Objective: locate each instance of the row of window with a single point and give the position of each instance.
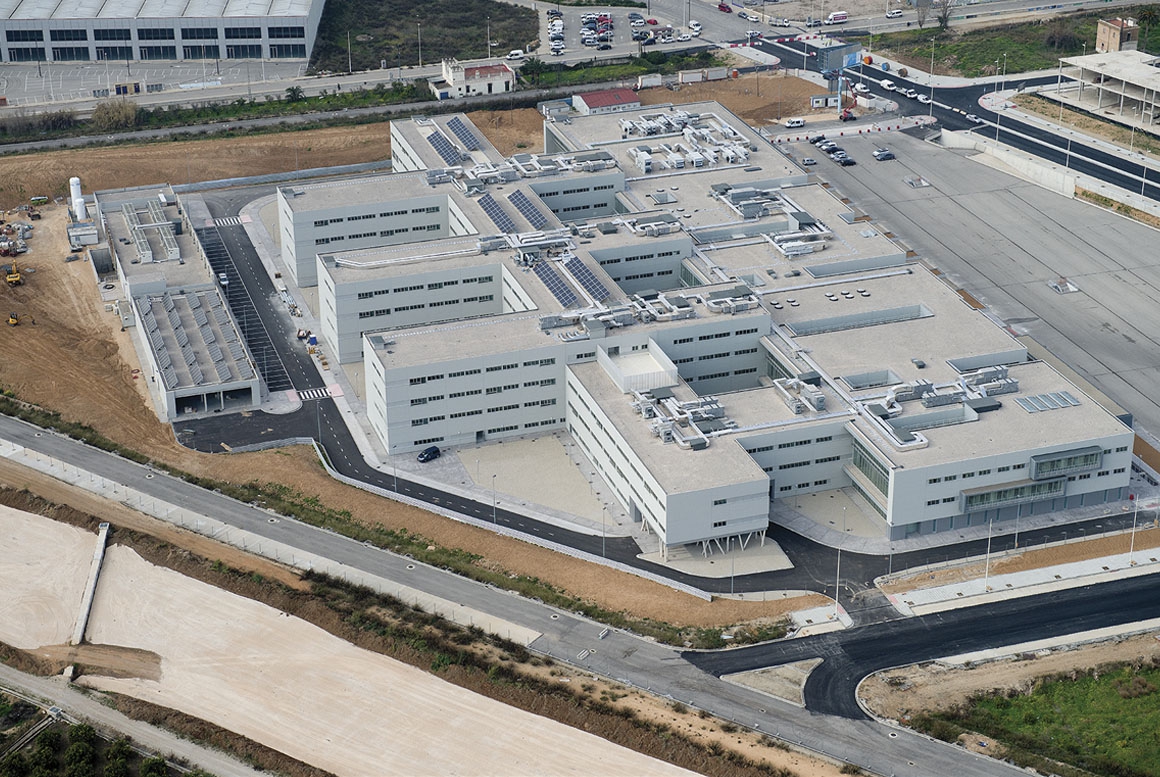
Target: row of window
(147, 53)
(980, 473)
(794, 444)
(153, 33)
(815, 484)
(429, 378)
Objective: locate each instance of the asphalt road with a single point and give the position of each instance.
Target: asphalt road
(567, 636)
(855, 653)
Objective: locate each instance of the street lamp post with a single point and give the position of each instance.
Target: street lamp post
(603, 530)
(1132, 545)
(987, 566)
(931, 77)
(419, 28)
(489, 37)
(493, 518)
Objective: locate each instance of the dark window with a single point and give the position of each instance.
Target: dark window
(287, 51)
(70, 53)
(155, 33)
(199, 33)
(158, 52)
(114, 52)
(26, 55)
(114, 34)
(200, 52)
(238, 33)
(286, 32)
(251, 51)
(24, 35)
(68, 35)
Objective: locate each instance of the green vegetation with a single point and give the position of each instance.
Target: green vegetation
(548, 74)
(1103, 722)
(1036, 45)
(389, 31)
(77, 751)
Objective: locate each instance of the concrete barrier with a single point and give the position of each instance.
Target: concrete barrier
(91, 587)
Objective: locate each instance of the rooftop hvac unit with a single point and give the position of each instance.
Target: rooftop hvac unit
(814, 396)
(939, 400)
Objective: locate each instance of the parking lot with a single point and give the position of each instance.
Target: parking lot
(1005, 240)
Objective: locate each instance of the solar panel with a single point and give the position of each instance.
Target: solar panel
(555, 284)
(465, 135)
(587, 279)
(528, 209)
(494, 212)
(444, 148)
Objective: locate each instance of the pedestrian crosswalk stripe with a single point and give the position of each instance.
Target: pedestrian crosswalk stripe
(314, 393)
(228, 221)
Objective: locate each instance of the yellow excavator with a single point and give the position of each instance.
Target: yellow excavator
(13, 319)
(13, 276)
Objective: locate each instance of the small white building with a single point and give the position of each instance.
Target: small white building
(460, 81)
(607, 101)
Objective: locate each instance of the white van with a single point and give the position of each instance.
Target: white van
(838, 17)
(795, 123)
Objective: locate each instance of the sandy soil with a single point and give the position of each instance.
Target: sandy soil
(899, 693)
(282, 681)
(1146, 537)
(184, 161)
(44, 566)
(759, 99)
(786, 681)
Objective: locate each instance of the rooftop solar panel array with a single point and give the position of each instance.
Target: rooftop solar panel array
(465, 135)
(555, 284)
(587, 279)
(444, 148)
(494, 212)
(1054, 400)
(528, 209)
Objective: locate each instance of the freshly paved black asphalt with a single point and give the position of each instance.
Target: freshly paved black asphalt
(853, 654)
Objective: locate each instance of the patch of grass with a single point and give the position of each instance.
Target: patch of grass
(550, 74)
(390, 29)
(1034, 45)
(1104, 721)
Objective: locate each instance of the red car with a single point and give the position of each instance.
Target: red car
(724, 7)
(651, 21)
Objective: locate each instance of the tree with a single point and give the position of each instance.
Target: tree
(154, 767)
(295, 94)
(115, 115)
(533, 69)
(82, 732)
(943, 14)
(1147, 18)
(921, 11)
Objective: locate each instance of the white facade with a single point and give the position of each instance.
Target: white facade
(166, 30)
(713, 332)
(460, 81)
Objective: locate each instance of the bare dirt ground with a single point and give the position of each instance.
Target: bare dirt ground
(44, 566)
(900, 693)
(1147, 537)
(75, 360)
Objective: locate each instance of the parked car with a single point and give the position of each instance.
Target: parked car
(861, 89)
(911, 93)
(887, 84)
(223, 279)
(809, 162)
(695, 26)
(973, 119)
(554, 14)
(883, 154)
(639, 35)
(924, 99)
(894, 13)
(636, 23)
(429, 454)
(684, 37)
(516, 54)
(651, 21)
(846, 162)
(779, 22)
(724, 8)
(635, 15)
(604, 47)
(747, 16)
(753, 33)
(649, 42)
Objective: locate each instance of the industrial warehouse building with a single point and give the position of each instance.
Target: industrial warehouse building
(120, 30)
(712, 327)
(193, 358)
